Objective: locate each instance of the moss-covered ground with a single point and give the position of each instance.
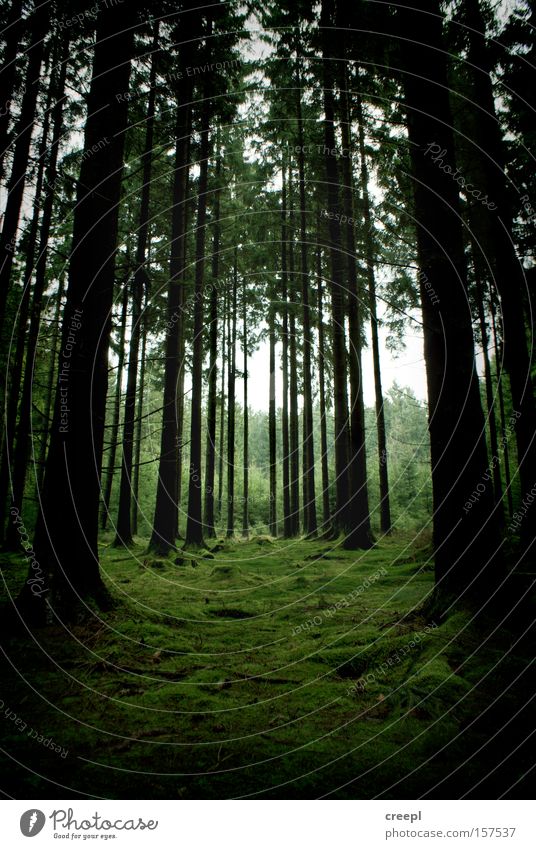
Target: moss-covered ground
(271, 670)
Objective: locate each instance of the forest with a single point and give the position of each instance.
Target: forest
(268, 455)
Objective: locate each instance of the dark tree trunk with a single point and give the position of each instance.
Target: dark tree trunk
(287, 518)
(500, 393)
(358, 531)
(210, 453)
(272, 521)
(194, 526)
(12, 35)
(245, 493)
(11, 469)
(231, 378)
(326, 509)
(465, 538)
(116, 410)
(222, 402)
(47, 407)
(67, 527)
(493, 229)
(165, 523)
(23, 135)
(20, 460)
(140, 282)
(385, 506)
(342, 430)
(139, 420)
(490, 400)
(309, 494)
(294, 454)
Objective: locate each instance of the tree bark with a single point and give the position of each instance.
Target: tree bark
(19, 168)
(140, 283)
(66, 536)
(287, 516)
(294, 456)
(231, 378)
(326, 509)
(210, 453)
(116, 411)
(385, 506)
(309, 494)
(465, 538)
(194, 525)
(165, 524)
(358, 530)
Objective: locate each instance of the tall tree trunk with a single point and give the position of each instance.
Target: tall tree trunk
(47, 406)
(231, 378)
(359, 534)
(116, 410)
(140, 282)
(139, 420)
(67, 528)
(165, 522)
(490, 400)
(309, 494)
(493, 228)
(294, 456)
(194, 526)
(272, 521)
(11, 471)
(210, 453)
(245, 493)
(222, 401)
(326, 509)
(287, 517)
(385, 506)
(19, 168)
(12, 35)
(341, 520)
(465, 538)
(500, 392)
(20, 460)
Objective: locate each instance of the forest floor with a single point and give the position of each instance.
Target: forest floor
(274, 670)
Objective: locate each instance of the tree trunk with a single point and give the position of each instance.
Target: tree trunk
(12, 35)
(194, 526)
(11, 470)
(139, 414)
(140, 282)
(114, 429)
(294, 458)
(326, 509)
(165, 522)
(19, 168)
(490, 400)
(272, 521)
(493, 228)
(222, 402)
(287, 517)
(465, 538)
(20, 460)
(342, 431)
(47, 408)
(500, 392)
(358, 531)
(309, 494)
(245, 493)
(231, 404)
(385, 506)
(210, 453)
(66, 537)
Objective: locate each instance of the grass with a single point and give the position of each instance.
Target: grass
(273, 670)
